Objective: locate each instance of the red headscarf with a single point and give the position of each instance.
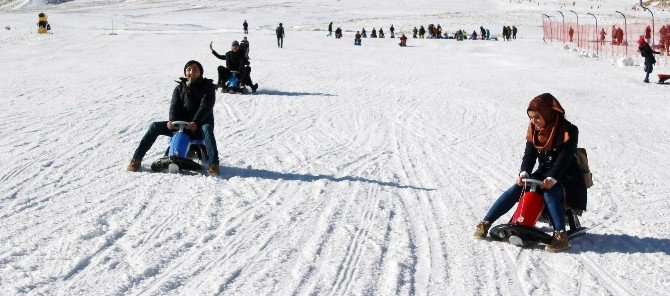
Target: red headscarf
(554, 133)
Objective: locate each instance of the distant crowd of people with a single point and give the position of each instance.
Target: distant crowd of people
(433, 32)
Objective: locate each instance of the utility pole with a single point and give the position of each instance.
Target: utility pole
(551, 28)
(562, 27)
(596, 36)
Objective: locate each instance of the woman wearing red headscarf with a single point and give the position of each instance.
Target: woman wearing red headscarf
(551, 141)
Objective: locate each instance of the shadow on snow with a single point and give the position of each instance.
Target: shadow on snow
(271, 92)
(620, 243)
(272, 175)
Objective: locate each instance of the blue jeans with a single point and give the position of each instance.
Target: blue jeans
(553, 199)
(159, 128)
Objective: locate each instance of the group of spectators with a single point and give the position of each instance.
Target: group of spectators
(509, 33)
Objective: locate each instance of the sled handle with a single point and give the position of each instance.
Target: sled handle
(180, 125)
(532, 181)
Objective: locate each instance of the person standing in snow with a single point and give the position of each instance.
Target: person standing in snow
(551, 140)
(619, 36)
(244, 46)
(648, 54)
(364, 34)
(602, 36)
(381, 33)
(415, 32)
(245, 26)
(514, 30)
(330, 29)
(374, 33)
(192, 101)
(422, 32)
(571, 32)
(392, 31)
(280, 36)
(483, 32)
(236, 60)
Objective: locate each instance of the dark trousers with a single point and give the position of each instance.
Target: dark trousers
(159, 128)
(280, 42)
(244, 76)
(648, 68)
(553, 199)
(246, 31)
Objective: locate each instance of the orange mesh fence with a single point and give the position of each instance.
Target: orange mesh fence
(611, 39)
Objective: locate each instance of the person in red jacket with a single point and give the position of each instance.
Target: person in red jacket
(619, 36)
(602, 36)
(571, 32)
(403, 40)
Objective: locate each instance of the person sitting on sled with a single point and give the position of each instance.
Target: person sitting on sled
(357, 38)
(551, 140)
(403, 40)
(236, 60)
(192, 101)
(42, 24)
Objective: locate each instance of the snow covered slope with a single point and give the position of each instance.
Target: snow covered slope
(354, 170)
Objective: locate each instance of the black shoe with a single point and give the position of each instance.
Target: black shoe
(254, 87)
(646, 81)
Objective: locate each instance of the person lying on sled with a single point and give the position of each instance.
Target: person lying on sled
(192, 101)
(551, 140)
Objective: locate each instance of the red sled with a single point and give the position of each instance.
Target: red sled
(521, 230)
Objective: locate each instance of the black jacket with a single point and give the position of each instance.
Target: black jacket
(245, 25)
(648, 54)
(561, 164)
(235, 61)
(280, 32)
(193, 102)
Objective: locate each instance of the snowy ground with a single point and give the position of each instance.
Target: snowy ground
(354, 170)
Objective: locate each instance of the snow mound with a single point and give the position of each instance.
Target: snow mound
(625, 62)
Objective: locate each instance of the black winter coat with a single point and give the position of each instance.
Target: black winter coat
(561, 164)
(235, 61)
(280, 32)
(193, 103)
(648, 54)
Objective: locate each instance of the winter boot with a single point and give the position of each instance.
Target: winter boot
(254, 87)
(134, 165)
(559, 243)
(213, 170)
(646, 80)
(482, 229)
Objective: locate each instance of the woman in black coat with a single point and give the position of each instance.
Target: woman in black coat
(552, 143)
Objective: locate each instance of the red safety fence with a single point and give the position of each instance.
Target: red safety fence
(599, 40)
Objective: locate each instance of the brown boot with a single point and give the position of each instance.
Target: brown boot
(482, 229)
(213, 170)
(559, 243)
(134, 165)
